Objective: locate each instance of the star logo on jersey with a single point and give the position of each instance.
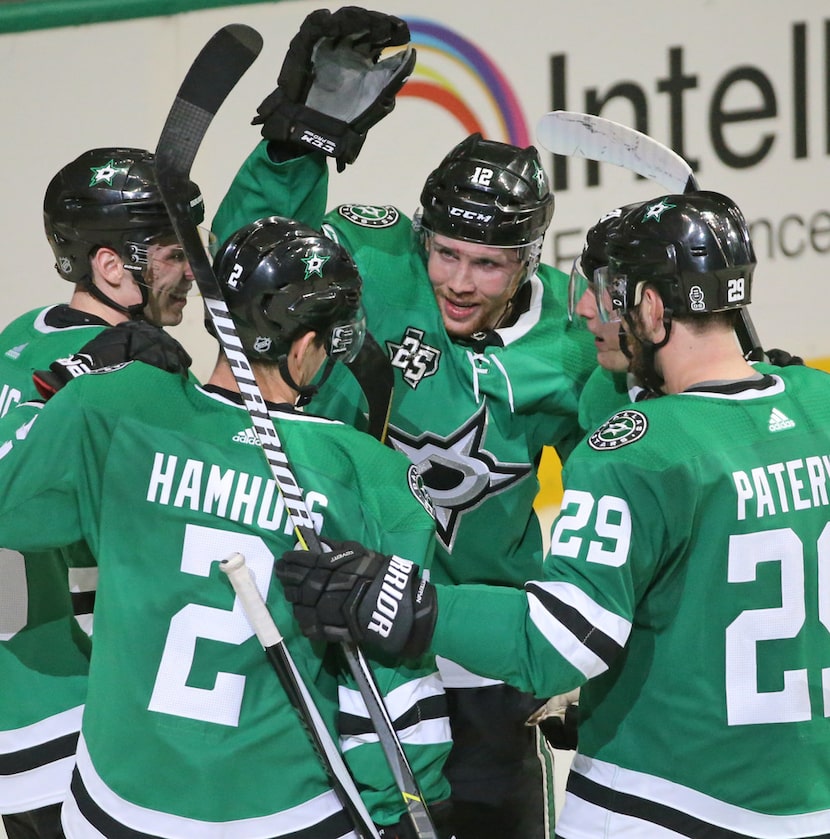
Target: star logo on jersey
(415, 359)
(655, 211)
(368, 215)
(103, 174)
(458, 473)
(314, 265)
(624, 428)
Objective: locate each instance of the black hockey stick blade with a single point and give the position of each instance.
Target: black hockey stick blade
(595, 138)
(373, 372)
(220, 64)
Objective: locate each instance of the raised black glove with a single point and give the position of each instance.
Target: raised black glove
(332, 88)
(781, 358)
(132, 340)
(352, 593)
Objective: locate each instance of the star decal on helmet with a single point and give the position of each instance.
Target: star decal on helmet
(314, 265)
(655, 211)
(540, 178)
(458, 473)
(103, 174)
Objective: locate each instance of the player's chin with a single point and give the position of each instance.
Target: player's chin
(460, 323)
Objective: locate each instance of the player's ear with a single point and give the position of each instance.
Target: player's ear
(108, 266)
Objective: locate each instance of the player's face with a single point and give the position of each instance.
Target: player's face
(169, 279)
(472, 283)
(606, 334)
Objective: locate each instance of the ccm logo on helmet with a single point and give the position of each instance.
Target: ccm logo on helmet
(469, 215)
(391, 591)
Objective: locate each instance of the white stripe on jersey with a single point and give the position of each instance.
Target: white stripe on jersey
(581, 820)
(156, 823)
(566, 643)
(42, 731)
(399, 702)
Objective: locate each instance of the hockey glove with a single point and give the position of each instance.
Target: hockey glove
(132, 340)
(332, 88)
(781, 358)
(352, 593)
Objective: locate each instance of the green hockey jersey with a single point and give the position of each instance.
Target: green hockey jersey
(473, 417)
(44, 655)
(186, 730)
(687, 587)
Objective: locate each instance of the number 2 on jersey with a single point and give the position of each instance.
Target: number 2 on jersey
(220, 704)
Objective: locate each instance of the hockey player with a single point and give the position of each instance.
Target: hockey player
(488, 367)
(186, 731)
(112, 238)
(610, 386)
(687, 581)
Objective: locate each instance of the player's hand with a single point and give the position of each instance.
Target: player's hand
(353, 593)
(332, 86)
(113, 347)
(781, 358)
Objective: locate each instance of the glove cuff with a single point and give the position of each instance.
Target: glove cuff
(423, 625)
(289, 122)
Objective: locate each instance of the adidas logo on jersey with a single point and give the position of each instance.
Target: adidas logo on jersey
(779, 421)
(14, 352)
(247, 436)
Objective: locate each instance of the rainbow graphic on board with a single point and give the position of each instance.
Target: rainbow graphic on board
(433, 40)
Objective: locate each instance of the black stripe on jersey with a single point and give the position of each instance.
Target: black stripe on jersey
(83, 602)
(602, 645)
(334, 826)
(660, 814)
(40, 755)
(428, 708)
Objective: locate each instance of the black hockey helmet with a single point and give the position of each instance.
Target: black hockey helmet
(281, 279)
(490, 193)
(693, 248)
(594, 258)
(107, 197)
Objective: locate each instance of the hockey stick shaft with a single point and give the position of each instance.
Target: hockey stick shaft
(213, 74)
(283, 665)
(592, 137)
(206, 85)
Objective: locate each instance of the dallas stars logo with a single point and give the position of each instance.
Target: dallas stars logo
(314, 265)
(457, 472)
(656, 211)
(623, 428)
(416, 359)
(104, 174)
(369, 215)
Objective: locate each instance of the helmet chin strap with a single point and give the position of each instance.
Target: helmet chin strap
(134, 312)
(305, 393)
(648, 375)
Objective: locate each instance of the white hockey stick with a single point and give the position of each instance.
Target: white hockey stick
(275, 649)
(595, 138)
